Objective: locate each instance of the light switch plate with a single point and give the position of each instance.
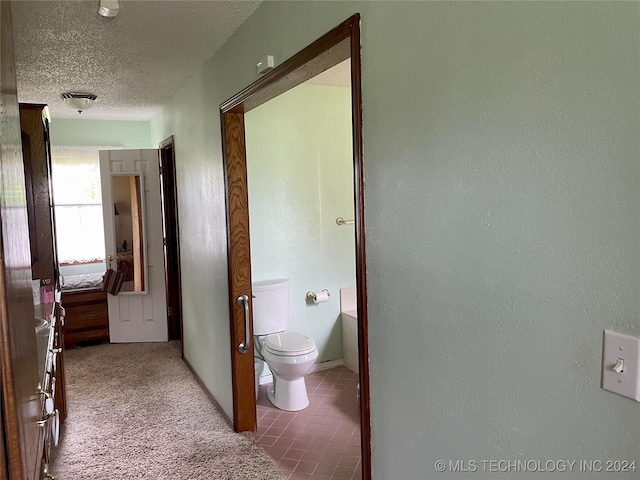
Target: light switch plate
(626, 348)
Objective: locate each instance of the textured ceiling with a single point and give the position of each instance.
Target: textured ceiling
(134, 62)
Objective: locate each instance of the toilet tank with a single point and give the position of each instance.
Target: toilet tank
(270, 306)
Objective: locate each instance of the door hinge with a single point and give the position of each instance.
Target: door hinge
(164, 242)
(169, 311)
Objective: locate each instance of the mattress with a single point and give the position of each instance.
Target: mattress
(82, 282)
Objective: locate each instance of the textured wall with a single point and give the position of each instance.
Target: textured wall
(300, 174)
(502, 190)
(104, 133)
(192, 118)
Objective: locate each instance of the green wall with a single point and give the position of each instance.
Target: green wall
(502, 189)
(102, 133)
(300, 177)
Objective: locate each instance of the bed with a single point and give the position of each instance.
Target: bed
(85, 281)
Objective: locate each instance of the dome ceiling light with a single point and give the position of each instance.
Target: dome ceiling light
(78, 101)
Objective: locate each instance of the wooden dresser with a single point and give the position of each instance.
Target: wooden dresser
(49, 340)
(87, 319)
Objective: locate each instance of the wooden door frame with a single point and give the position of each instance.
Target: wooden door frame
(171, 232)
(332, 48)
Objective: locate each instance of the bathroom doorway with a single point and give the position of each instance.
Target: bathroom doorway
(301, 210)
(338, 45)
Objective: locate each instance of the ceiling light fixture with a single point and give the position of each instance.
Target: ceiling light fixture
(108, 8)
(78, 101)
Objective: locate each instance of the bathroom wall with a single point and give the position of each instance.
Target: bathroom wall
(502, 194)
(300, 176)
(102, 133)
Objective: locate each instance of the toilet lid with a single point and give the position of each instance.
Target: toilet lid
(289, 343)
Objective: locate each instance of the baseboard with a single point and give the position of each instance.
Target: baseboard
(265, 379)
(318, 367)
(211, 396)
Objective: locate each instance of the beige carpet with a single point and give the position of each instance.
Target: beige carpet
(135, 411)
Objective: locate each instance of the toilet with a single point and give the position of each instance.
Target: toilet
(289, 355)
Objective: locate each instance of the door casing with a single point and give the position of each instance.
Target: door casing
(171, 234)
(332, 48)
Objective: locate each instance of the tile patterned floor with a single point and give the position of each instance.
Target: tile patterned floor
(323, 440)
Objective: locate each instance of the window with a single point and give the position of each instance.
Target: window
(78, 206)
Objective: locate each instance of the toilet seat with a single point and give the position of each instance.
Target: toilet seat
(289, 344)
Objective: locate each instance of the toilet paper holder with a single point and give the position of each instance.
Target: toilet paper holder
(314, 297)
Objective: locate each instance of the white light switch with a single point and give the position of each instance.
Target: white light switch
(621, 364)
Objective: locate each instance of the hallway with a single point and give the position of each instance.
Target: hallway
(135, 411)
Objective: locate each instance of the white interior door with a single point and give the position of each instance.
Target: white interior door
(136, 317)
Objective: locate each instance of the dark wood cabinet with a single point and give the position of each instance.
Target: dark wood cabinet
(61, 381)
(87, 319)
(36, 151)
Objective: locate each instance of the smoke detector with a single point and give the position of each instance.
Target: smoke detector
(108, 8)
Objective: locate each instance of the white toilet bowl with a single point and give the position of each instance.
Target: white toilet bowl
(290, 356)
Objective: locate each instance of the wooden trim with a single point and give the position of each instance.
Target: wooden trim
(137, 246)
(171, 225)
(33, 106)
(46, 122)
(309, 62)
(210, 395)
(31, 209)
(167, 142)
(4, 466)
(361, 257)
(10, 417)
(61, 380)
(332, 48)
